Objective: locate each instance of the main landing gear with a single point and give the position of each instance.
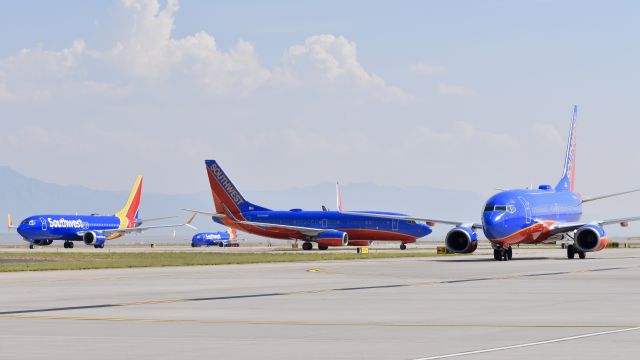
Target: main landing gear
(572, 251)
(68, 244)
(307, 246)
(321, 247)
(503, 254)
(403, 247)
(98, 246)
(31, 246)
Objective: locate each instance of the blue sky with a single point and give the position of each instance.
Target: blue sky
(459, 94)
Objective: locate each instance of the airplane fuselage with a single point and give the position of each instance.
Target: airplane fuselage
(358, 227)
(525, 216)
(64, 227)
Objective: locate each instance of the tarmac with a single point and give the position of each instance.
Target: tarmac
(540, 305)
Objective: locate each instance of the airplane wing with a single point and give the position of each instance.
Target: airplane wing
(208, 213)
(140, 229)
(561, 228)
(429, 221)
(609, 195)
(301, 229)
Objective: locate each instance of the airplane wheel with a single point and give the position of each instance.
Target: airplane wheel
(322, 247)
(510, 253)
(31, 246)
(98, 246)
(66, 245)
(582, 254)
(70, 245)
(504, 255)
(221, 244)
(307, 246)
(571, 252)
(403, 247)
(496, 255)
(193, 245)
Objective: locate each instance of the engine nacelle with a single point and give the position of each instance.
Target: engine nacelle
(461, 240)
(332, 238)
(359, 243)
(94, 238)
(42, 242)
(590, 238)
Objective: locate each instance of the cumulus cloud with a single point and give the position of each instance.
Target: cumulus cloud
(455, 90)
(332, 60)
(147, 55)
(427, 69)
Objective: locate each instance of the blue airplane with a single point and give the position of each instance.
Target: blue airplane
(92, 229)
(219, 238)
(533, 216)
(324, 228)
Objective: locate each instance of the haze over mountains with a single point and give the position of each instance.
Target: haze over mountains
(22, 196)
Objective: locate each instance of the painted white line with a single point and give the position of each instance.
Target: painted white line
(474, 352)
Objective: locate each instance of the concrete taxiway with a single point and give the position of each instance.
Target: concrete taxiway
(540, 305)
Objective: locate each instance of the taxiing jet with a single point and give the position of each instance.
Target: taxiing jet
(325, 228)
(532, 216)
(91, 229)
(219, 238)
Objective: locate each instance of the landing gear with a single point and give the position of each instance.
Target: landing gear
(98, 246)
(221, 244)
(403, 247)
(572, 251)
(321, 247)
(503, 254)
(31, 246)
(68, 245)
(307, 246)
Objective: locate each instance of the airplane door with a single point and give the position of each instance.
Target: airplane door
(527, 209)
(324, 223)
(43, 221)
(394, 225)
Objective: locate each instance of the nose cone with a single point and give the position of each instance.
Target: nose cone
(23, 230)
(425, 229)
(494, 224)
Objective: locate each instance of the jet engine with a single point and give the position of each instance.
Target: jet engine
(461, 240)
(332, 238)
(590, 238)
(359, 243)
(95, 238)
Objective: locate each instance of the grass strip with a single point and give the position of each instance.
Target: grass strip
(86, 260)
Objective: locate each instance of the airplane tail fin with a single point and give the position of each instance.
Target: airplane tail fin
(567, 182)
(129, 213)
(232, 234)
(226, 197)
(338, 197)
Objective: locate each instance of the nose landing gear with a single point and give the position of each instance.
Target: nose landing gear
(503, 254)
(68, 245)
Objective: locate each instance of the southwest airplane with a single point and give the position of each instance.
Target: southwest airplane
(532, 216)
(91, 229)
(325, 228)
(219, 238)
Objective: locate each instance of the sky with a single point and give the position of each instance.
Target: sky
(468, 95)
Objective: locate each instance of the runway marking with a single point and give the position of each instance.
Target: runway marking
(537, 343)
(306, 292)
(309, 323)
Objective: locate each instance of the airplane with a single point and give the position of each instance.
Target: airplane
(533, 216)
(92, 229)
(219, 238)
(324, 228)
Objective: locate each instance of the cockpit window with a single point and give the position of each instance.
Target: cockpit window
(501, 208)
(411, 222)
(29, 222)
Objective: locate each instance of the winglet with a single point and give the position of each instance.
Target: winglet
(567, 182)
(338, 197)
(9, 222)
